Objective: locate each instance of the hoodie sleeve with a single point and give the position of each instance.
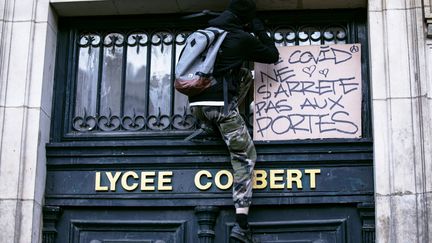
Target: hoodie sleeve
(261, 49)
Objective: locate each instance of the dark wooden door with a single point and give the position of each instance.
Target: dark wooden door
(118, 169)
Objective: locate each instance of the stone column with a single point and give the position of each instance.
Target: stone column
(401, 101)
(27, 51)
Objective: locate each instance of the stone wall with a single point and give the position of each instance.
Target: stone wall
(401, 101)
(27, 51)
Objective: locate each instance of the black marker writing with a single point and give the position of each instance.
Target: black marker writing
(311, 92)
(335, 55)
(293, 123)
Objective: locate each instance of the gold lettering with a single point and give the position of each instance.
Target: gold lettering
(130, 180)
(218, 179)
(313, 173)
(124, 180)
(113, 179)
(276, 176)
(261, 177)
(162, 180)
(296, 178)
(98, 186)
(145, 180)
(197, 180)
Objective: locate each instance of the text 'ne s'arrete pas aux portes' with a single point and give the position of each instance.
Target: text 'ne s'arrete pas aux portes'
(311, 92)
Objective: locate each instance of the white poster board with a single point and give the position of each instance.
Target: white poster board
(312, 92)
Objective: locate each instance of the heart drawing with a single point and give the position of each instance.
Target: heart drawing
(309, 70)
(324, 72)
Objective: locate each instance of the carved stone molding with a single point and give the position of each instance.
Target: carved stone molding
(206, 216)
(50, 218)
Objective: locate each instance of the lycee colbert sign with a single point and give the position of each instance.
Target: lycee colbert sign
(203, 180)
(197, 181)
(311, 92)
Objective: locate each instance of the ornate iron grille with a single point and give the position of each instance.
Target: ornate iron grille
(124, 79)
(123, 83)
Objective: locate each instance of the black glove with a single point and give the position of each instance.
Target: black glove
(257, 25)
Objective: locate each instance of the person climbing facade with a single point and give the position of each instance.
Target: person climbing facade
(238, 47)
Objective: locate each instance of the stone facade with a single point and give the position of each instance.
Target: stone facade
(27, 51)
(401, 82)
(401, 101)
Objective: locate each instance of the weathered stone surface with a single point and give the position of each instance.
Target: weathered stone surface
(8, 219)
(27, 53)
(401, 113)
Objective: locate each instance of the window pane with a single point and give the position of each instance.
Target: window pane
(160, 76)
(111, 92)
(136, 75)
(87, 75)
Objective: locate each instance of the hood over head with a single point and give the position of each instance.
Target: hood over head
(227, 21)
(244, 9)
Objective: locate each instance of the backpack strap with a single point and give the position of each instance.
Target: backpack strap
(207, 38)
(225, 95)
(216, 32)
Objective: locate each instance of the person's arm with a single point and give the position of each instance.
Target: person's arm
(261, 49)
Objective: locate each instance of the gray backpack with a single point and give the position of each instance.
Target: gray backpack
(193, 73)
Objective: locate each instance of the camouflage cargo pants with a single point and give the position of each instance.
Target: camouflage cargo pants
(236, 136)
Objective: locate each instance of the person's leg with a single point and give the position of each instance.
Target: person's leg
(243, 157)
(207, 127)
(245, 82)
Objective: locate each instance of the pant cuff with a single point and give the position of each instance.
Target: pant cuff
(244, 210)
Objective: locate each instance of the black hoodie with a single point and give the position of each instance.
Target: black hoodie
(238, 46)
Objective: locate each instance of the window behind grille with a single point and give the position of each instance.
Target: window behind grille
(119, 79)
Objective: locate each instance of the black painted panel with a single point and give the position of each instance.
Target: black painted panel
(346, 172)
(315, 224)
(331, 181)
(313, 231)
(337, 223)
(113, 224)
(116, 231)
